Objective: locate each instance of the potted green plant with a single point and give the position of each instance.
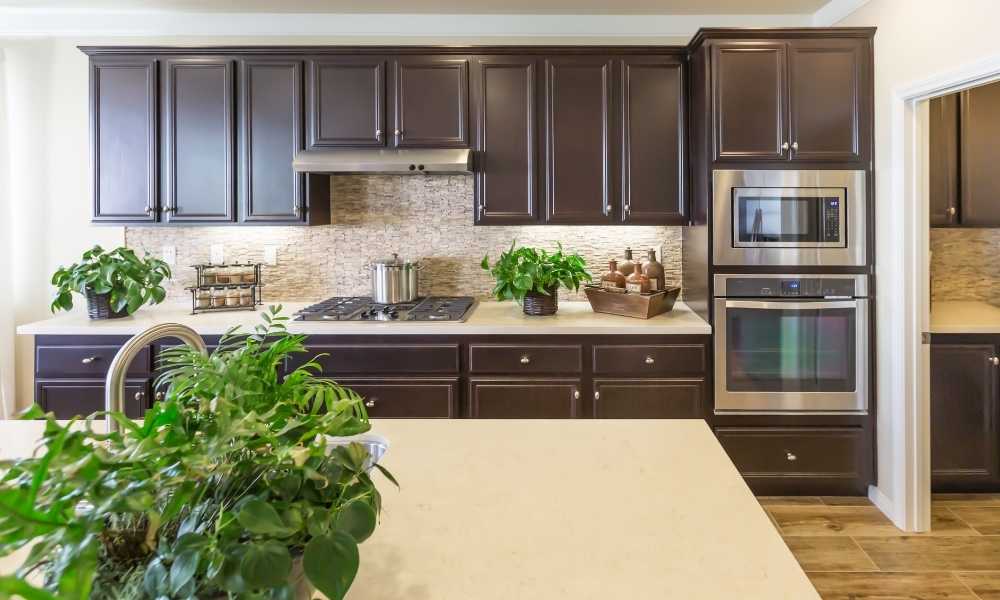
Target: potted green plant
(230, 487)
(116, 283)
(532, 277)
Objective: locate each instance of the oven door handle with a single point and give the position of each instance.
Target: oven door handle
(814, 305)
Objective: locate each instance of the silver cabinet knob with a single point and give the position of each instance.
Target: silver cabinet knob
(576, 394)
(951, 211)
(370, 403)
(650, 360)
(795, 146)
(525, 359)
(378, 133)
(995, 361)
(150, 210)
(790, 457)
(398, 132)
(139, 396)
(90, 359)
(597, 395)
(607, 209)
(158, 396)
(785, 146)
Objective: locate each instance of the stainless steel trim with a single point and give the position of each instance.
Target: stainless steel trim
(390, 161)
(791, 304)
(812, 193)
(855, 402)
(860, 281)
(855, 221)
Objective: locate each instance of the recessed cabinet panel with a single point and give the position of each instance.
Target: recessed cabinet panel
(943, 161)
(431, 102)
(577, 140)
(199, 140)
(270, 134)
(123, 124)
(407, 398)
(824, 86)
(506, 176)
(346, 102)
(524, 399)
(980, 130)
(648, 399)
(748, 80)
(653, 157)
(69, 398)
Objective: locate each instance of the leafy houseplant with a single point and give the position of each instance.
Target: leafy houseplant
(227, 489)
(115, 283)
(532, 277)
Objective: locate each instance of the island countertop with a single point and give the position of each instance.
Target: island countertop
(487, 318)
(570, 509)
(964, 316)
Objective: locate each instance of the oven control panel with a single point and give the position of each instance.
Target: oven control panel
(789, 287)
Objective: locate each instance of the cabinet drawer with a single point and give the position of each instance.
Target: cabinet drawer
(407, 398)
(808, 459)
(511, 359)
(680, 360)
(648, 399)
(369, 359)
(68, 398)
(84, 361)
(524, 398)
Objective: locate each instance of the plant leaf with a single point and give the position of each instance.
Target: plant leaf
(357, 518)
(331, 563)
(266, 564)
(260, 517)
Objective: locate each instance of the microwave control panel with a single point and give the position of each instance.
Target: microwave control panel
(790, 287)
(831, 220)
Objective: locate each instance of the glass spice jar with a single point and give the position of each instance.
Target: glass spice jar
(208, 276)
(246, 297)
(222, 276)
(218, 298)
(204, 299)
(232, 297)
(249, 275)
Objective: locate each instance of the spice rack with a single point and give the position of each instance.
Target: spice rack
(226, 287)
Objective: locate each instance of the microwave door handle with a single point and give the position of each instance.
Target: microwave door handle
(819, 305)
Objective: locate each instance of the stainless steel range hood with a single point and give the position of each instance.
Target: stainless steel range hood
(397, 162)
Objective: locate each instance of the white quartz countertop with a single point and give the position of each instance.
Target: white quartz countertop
(964, 317)
(488, 318)
(551, 510)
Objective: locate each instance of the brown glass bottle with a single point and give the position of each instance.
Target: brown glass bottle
(625, 267)
(654, 270)
(613, 279)
(637, 282)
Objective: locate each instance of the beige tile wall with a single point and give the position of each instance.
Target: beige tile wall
(965, 264)
(424, 218)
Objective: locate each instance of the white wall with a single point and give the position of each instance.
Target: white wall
(916, 39)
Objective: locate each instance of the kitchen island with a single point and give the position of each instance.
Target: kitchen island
(573, 510)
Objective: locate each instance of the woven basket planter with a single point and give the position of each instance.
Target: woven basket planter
(99, 307)
(540, 305)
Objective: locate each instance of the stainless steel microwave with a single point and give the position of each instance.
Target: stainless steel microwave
(790, 218)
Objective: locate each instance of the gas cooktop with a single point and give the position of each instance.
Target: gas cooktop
(359, 308)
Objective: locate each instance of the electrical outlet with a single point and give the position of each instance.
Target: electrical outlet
(270, 255)
(169, 255)
(217, 254)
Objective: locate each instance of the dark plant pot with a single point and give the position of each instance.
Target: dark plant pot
(540, 305)
(99, 306)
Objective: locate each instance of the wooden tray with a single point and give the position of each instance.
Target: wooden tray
(630, 304)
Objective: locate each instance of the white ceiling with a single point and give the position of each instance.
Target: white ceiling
(659, 7)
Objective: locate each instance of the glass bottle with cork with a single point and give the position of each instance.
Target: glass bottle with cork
(613, 280)
(654, 271)
(637, 282)
(626, 267)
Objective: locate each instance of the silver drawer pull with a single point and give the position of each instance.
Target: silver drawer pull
(790, 457)
(650, 360)
(597, 395)
(139, 396)
(525, 359)
(370, 403)
(90, 359)
(576, 394)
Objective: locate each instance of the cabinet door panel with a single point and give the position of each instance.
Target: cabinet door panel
(980, 130)
(652, 101)
(506, 181)
(199, 139)
(270, 135)
(577, 142)
(748, 85)
(346, 102)
(431, 102)
(69, 398)
(123, 123)
(407, 398)
(524, 399)
(648, 399)
(825, 89)
(943, 158)
(963, 417)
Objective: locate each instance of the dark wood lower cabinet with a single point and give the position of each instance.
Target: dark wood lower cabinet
(69, 398)
(524, 398)
(407, 398)
(648, 399)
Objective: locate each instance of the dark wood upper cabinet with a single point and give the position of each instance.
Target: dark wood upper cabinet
(505, 103)
(980, 130)
(964, 430)
(346, 102)
(943, 161)
(748, 88)
(577, 134)
(123, 138)
(199, 156)
(430, 103)
(270, 133)
(825, 83)
(653, 133)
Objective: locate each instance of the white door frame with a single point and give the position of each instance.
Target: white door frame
(903, 360)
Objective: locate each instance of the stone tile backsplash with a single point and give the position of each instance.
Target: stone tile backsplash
(964, 264)
(423, 218)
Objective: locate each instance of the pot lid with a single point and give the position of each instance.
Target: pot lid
(395, 261)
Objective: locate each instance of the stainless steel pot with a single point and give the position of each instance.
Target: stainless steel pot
(394, 280)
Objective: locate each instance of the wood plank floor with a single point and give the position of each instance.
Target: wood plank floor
(851, 551)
